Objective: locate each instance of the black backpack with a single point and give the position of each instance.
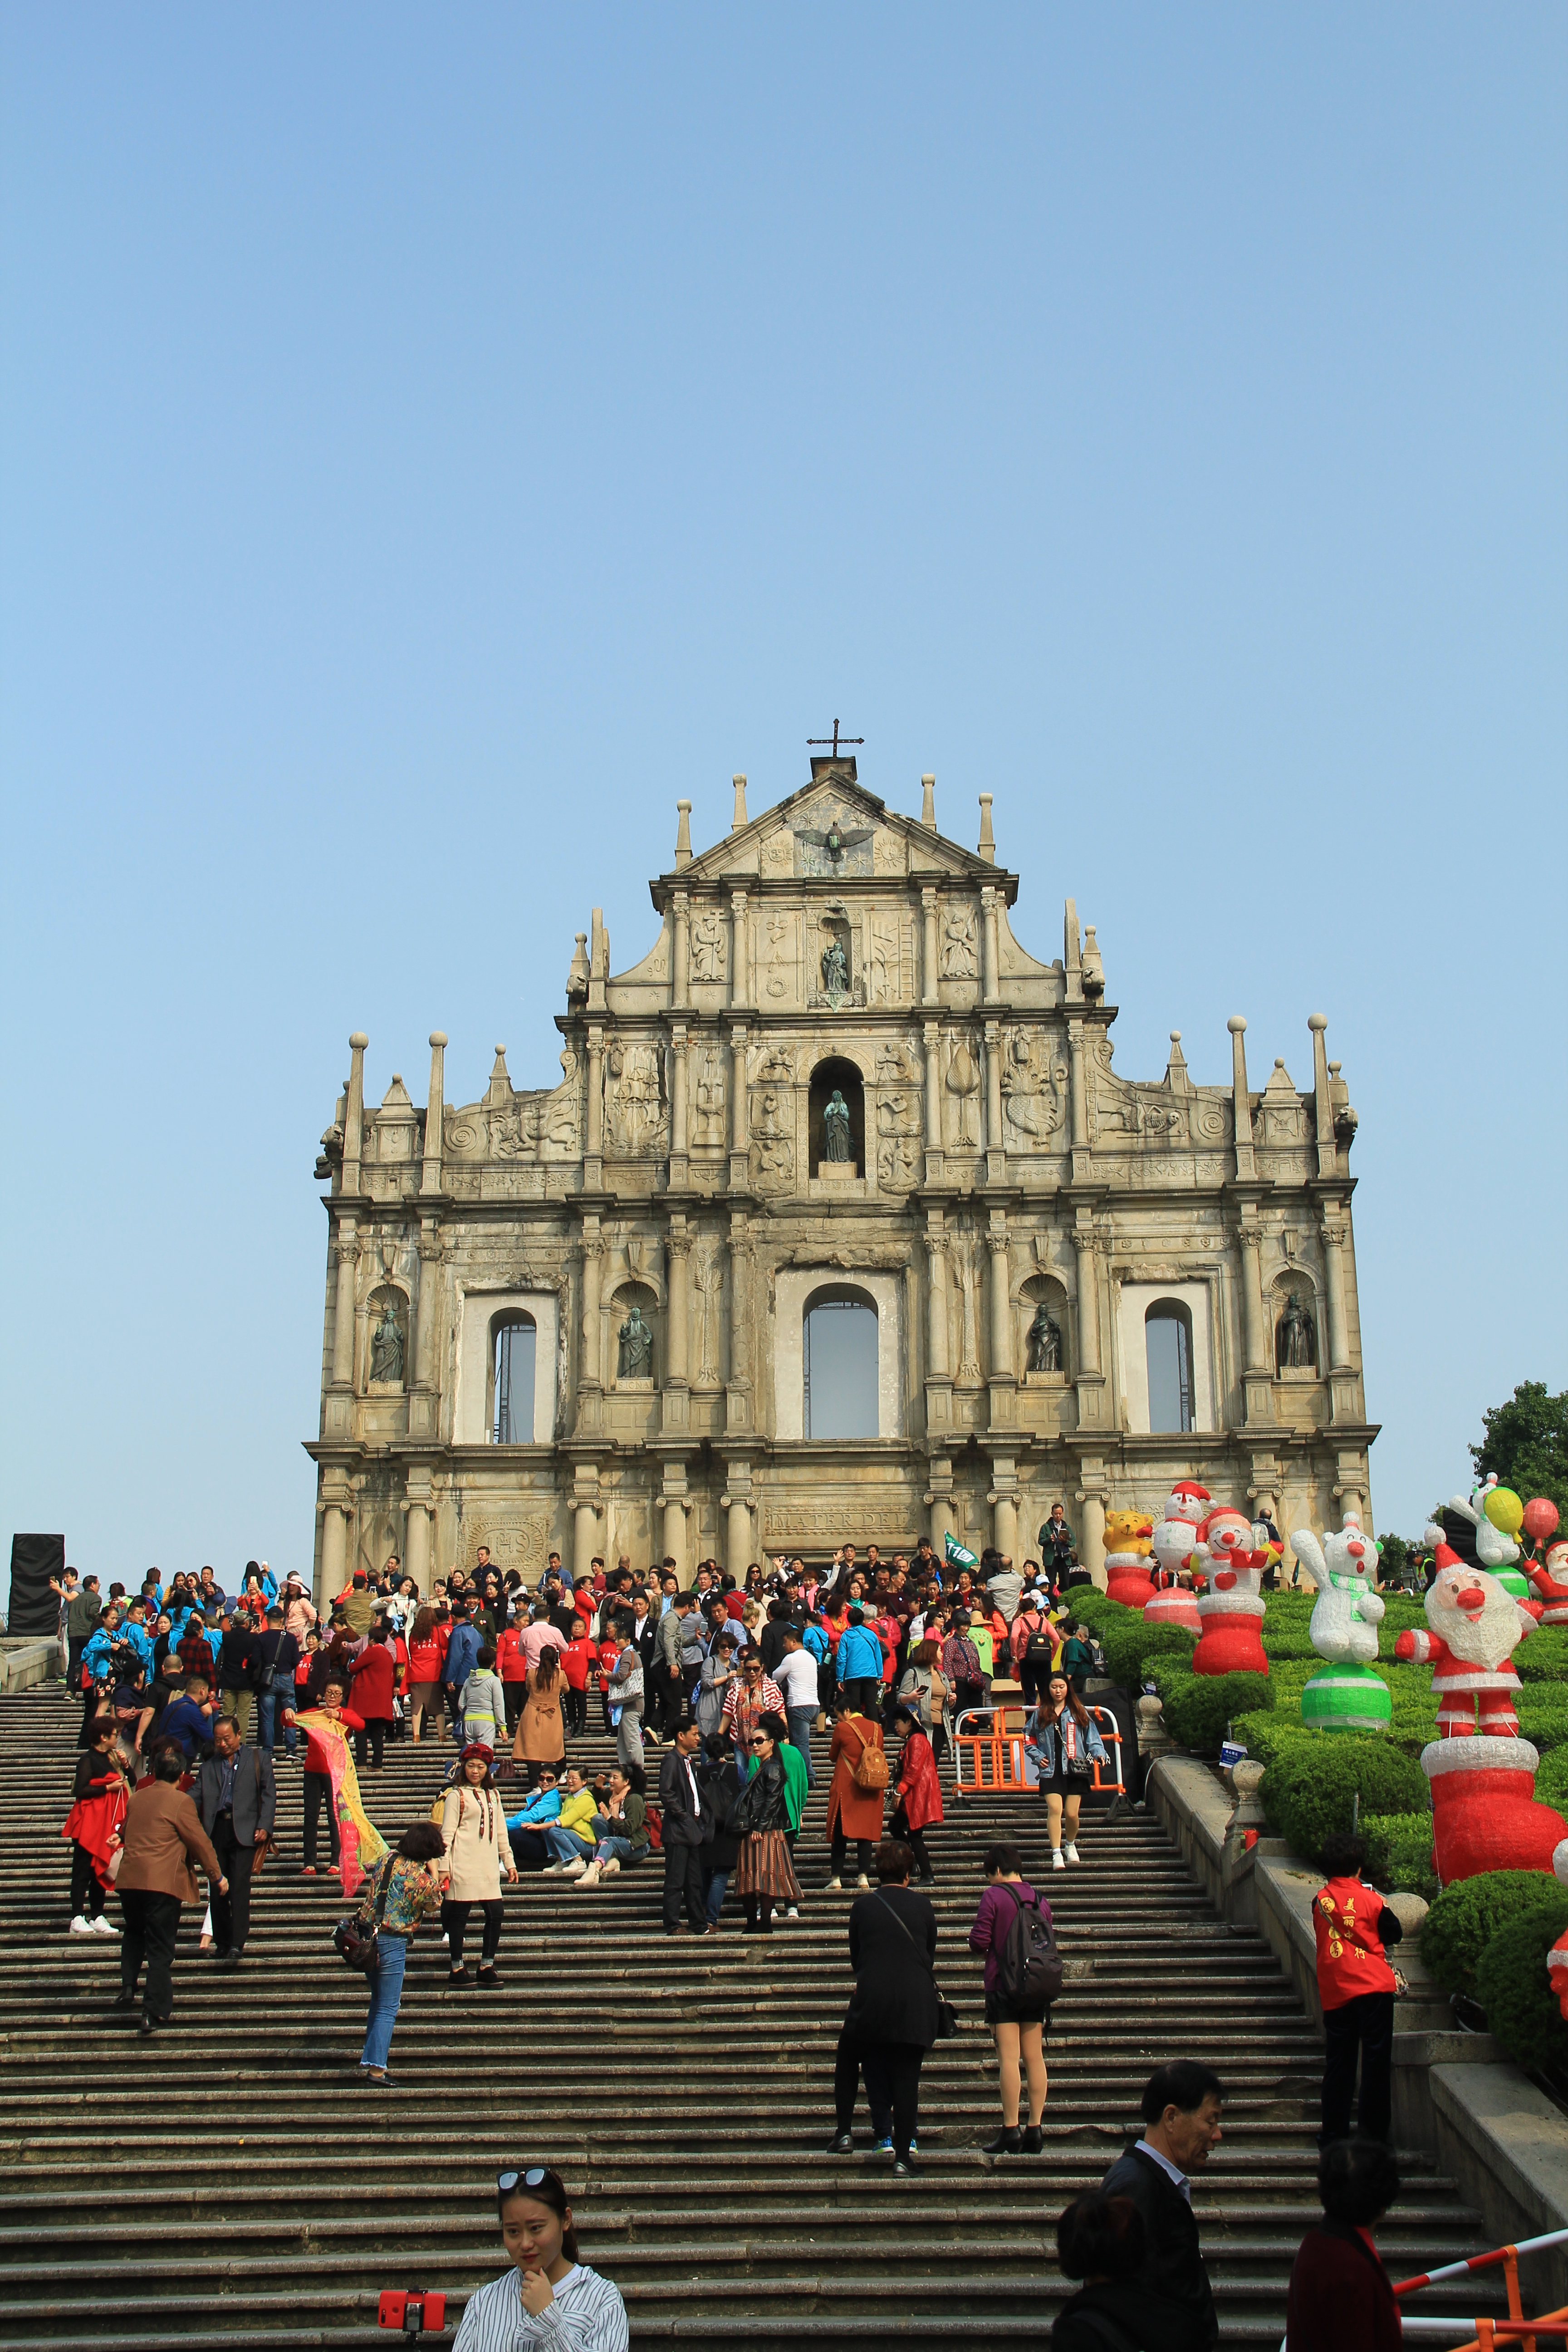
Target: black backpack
(1040, 1648)
(1029, 1967)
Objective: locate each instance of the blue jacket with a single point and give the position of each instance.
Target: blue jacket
(96, 1654)
(1045, 1752)
(816, 1639)
(140, 1641)
(859, 1655)
(462, 1653)
(183, 1720)
(545, 1807)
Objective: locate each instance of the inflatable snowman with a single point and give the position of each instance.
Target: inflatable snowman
(1479, 1530)
(1343, 1695)
(1230, 1612)
(1486, 1815)
(1174, 1543)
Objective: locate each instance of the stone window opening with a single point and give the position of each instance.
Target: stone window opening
(1168, 1351)
(514, 1340)
(840, 1338)
(836, 1077)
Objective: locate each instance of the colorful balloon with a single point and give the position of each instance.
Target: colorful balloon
(1540, 1518)
(1505, 1510)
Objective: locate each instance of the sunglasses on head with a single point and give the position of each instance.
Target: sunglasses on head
(534, 2178)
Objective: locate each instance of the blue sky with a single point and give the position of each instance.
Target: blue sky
(434, 442)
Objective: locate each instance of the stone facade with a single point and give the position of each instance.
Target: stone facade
(686, 1181)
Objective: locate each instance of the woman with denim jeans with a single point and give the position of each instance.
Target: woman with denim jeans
(413, 1892)
(620, 1827)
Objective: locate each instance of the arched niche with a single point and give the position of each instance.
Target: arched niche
(514, 1360)
(1294, 1320)
(1042, 1291)
(840, 1362)
(1169, 1368)
(830, 1076)
(639, 1300)
(386, 1338)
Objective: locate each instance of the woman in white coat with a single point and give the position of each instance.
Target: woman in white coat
(473, 1829)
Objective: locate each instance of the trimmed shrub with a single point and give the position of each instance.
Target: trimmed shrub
(1552, 1779)
(1466, 1917)
(1266, 1734)
(1399, 1853)
(1514, 1986)
(1543, 1717)
(1199, 1707)
(1311, 1789)
(1132, 1646)
(1544, 1658)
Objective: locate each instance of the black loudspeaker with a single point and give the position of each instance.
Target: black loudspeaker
(35, 1610)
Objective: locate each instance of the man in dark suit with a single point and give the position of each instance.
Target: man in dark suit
(236, 1797)
(1181, 2108)
(688, 1825)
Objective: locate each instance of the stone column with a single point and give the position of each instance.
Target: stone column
(678, 1146)
(738, 1537)
(424, 1311)
(929, 995)
(585, 1528)
(430, 1175)
(740, 1351)
(1005, 1523)
(1001, 1304)
(1091, 1552)
(590, 1366)
(740, 1109)
(1241, 1103)
(343, 1314)
(1259, 1374)
(676, 1323)
(991, 964)
(936, 1306)
(1333, 1230)
(679, 996)
(353, 1117)
(939, 1502)
(594, 1107)
(740, 977)
(1327, 1140)
(1088, 1300)
(1077, 1086)
(334, 1549)
(417, 1543)
(933, 1039)
(995, 1141)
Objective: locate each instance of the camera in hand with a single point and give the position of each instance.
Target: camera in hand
(417, 2312)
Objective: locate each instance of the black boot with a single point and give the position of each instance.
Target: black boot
(1034, 2140)
(1009, 2141)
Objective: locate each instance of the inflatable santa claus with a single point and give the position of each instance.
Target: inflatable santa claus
(1174, 1543)
(1484, 1807)
(1231, 1610)
(1551, 1584)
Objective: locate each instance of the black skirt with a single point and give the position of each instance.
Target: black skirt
(1000, 2011)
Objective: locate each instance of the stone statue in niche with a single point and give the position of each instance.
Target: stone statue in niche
(958, 944)
(835, 973)
(836, 1144)
(387, 1348)
(708, 946)
(635, 1361)
(1044, 1344)
(1296, 1343)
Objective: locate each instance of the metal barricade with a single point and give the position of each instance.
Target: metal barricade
(1516, 2329)
(988, 1743)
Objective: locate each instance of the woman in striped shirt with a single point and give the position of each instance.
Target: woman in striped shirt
(548, 2296)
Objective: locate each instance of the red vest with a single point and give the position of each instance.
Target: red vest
(1349, 1956)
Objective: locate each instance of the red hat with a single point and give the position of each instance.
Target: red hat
(477, 1748)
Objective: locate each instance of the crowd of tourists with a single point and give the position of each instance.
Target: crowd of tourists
(190, 1694)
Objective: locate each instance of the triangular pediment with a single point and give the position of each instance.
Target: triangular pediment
(797, 837)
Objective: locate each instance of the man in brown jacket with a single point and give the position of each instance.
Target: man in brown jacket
(161, 1841)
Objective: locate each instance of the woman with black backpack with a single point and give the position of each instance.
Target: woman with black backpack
(1012, 1928)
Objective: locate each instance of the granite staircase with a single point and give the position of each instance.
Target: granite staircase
(230, 2182)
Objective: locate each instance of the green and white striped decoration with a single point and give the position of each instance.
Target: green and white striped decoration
(1347, 1698)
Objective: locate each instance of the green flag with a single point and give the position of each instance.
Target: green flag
(955, 1553)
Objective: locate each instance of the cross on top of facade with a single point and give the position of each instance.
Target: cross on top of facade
(815, 741)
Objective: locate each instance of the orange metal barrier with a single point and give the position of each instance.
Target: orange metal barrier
(991, 1759)
(1516, 2328)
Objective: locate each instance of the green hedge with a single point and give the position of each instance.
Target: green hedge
(1399, 1853)
(1552, 1780)
(1312, 1788)
(1544, 1658)
(1466, 1917)
(1198, 1707)
(1514, 1988)
(1131, 1647)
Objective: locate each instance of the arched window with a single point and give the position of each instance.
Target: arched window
(514, 1342)
(827, 1136)
(838, 1348)
(1168, 1350)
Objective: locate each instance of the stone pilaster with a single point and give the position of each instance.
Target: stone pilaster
(1088, 1378)
(1241, 1102)
(939, 1501)
(423, 1399)
(939, 1362)
(678, 1163)
(1004, 1384)
(991, 964)
(594, 1113)
(1003, 1501)
(681, 951)
(677, 1400)
(353, 1121)
(740, 1110)
(930, 992)
(932, 1034)
(736, 1505)
(430, 1173)
(738, 1397)
(995, 1140)
(1258, 1375)
(739, 973)
(1077, 1104)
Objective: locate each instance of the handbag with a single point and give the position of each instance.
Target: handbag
(349, 1939)
(268, 1845)
(948, 2022)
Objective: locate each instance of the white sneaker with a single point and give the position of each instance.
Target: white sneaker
(835, 1887)
(103, 1926)
(608, 1869)
(574, 1869)
(794, 1911)
(862, 1880)
(590, 1877)
(81, 1924)
(553, 1869)
(1058, 1860)
(1071, 1852)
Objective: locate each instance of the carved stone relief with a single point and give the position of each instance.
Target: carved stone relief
(958, 949)
(708, 945)
(635, 1113)
(1034, 1089)
(961, 1083)
(708, 1098)
(771, 1155)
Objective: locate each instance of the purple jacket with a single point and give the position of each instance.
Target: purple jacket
(994, 1920)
